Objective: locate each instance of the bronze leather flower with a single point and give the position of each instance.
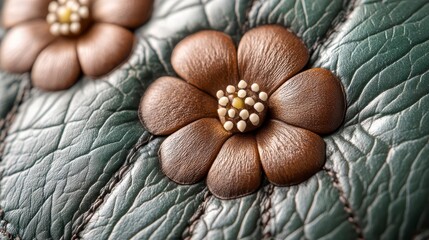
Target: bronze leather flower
(60, 39)
(241, 113)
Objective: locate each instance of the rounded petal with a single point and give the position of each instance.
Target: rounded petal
(207, 60)
(313, 100)
(131, 14)
(289, 155)
(170, 103)
(18, 11)
(57, 66)
(22, 45)
(104, 48)
(236, 171)
(269, 55)
(186, 155)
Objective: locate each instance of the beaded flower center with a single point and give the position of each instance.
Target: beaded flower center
(242, 108)
(68, 17)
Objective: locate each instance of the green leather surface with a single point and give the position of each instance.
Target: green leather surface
(63, 148)
(9, 86)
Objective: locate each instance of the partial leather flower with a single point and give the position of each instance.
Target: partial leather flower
(243, 112)
(59, 39)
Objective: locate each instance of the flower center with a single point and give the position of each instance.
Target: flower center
(242, 108)
(68, 17)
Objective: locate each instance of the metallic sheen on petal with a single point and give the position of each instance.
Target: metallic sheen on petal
(170, 103)
(269, 55)
(313, 100)
(129, 14)
(22, 45)
(236, 171)
(57, 66)
(187, 155)
(207, 60)
(289, 155)
(104, 48)
(19, 11)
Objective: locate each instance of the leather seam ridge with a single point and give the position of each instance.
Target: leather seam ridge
(246, 25)
(6, 123)
(189, 230)
(110, 185)
(352, 217)
(347, 9)
(3, 227)
(266, 216)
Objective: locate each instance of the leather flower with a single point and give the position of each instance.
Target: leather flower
(243, 112)
(59, 39)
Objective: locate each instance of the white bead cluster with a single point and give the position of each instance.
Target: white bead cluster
(65, 16)
(239, 105)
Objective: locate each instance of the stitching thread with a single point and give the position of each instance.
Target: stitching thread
(107, 189)
(266, 209)
(246, 25)
(339, 20)
(5, 124)
(352, 218)
(189, 230)
(3, 227)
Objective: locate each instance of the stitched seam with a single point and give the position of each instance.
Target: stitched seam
(189, 230)
(266, 209)
(336, 24)
(111, 184)
(352, 217)
(246, 25)
(3, 227)
(6, 123)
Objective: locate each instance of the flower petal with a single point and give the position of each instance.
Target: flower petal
(313, 100)
(104, 48)
(186, 155)
(269, 55)
(289, 155)
(131, 14)
(22, 44)
(207, 60)
(18, 11)
(236, 171)
(170, 103)
(57, 66)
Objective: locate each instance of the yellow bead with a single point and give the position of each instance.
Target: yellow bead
(238, 103)
(64, 15)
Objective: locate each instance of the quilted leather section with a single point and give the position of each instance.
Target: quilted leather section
(381, 155)
(146, 204)
(64, 149)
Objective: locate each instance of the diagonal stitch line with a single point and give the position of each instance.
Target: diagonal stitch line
(246, 25)
(189, 230)
(3, 227)
(107, 189)
(352, 218)
(266, 209)
(343, 15)
(6, 123)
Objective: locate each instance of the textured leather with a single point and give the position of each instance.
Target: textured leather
(79, 161)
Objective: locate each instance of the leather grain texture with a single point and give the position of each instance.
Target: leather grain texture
(79, 163)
